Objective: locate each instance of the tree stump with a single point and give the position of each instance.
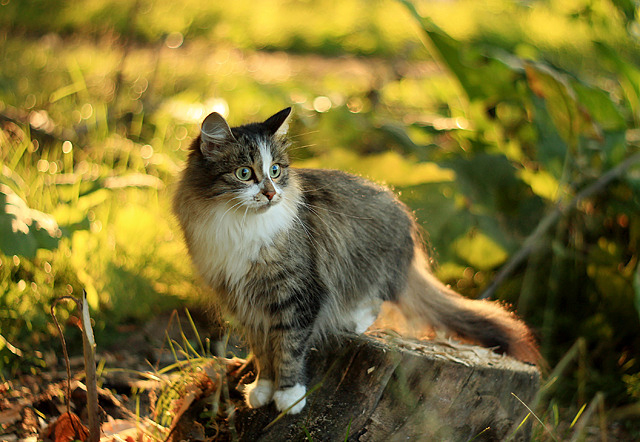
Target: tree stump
(389, 388)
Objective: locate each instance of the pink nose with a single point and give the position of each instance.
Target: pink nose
(269, 194)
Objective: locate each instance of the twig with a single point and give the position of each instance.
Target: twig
(552, 218)
(64, 347)
(66, 357)
(88, 344)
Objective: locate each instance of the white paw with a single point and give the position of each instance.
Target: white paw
(258, 393)
(287, 397)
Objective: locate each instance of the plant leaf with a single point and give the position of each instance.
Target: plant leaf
(570, 118)
(449, 52)
(600, 106)
(628, 74)
(24, 230)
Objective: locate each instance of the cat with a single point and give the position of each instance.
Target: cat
(295, 255)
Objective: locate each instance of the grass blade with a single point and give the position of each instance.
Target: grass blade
(513, 434)
(284, 412)
(346, 436)
(537, 418)
(586, 416)
(578, 416)
(195, 330)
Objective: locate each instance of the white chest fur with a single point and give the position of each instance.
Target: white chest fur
(226, 241)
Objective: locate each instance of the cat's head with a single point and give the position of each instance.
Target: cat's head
(245, 166)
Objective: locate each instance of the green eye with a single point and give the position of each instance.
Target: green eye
(275, 170)
(243, 173)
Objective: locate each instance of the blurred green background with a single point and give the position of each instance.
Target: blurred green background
(511, 128)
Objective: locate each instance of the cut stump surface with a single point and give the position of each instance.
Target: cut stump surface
(384, 388)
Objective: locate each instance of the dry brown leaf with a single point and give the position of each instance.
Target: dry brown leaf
(66, 428)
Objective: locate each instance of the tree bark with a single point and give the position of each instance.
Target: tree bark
(390, 388)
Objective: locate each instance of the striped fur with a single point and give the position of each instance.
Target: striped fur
(318, 256)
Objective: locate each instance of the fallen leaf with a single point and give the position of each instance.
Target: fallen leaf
(66, 428)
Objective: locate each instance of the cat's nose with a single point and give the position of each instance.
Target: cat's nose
(269, 194)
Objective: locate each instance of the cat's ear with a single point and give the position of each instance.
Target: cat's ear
(214, 132)
(278, 124)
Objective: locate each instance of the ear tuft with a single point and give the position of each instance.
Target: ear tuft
(278, 124)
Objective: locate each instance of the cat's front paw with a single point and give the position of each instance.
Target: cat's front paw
(287, 397)
(258, 393)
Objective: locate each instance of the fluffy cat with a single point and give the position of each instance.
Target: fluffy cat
(297, 254)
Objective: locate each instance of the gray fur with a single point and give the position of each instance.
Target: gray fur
(319, 258)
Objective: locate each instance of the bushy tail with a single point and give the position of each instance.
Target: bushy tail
(485, 322)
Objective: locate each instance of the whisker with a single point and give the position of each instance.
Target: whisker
(313, 242)
(302, 147)
(297, 218)
(235, 205)
(244, 217)
(320, 217)
(220, 223)
(315, 189)
(303, 134)
(309, 206)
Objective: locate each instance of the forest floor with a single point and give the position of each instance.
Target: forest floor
(143, 399)
(131, 377)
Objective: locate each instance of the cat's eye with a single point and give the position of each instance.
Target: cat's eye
(244, 173)
(275, 170)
